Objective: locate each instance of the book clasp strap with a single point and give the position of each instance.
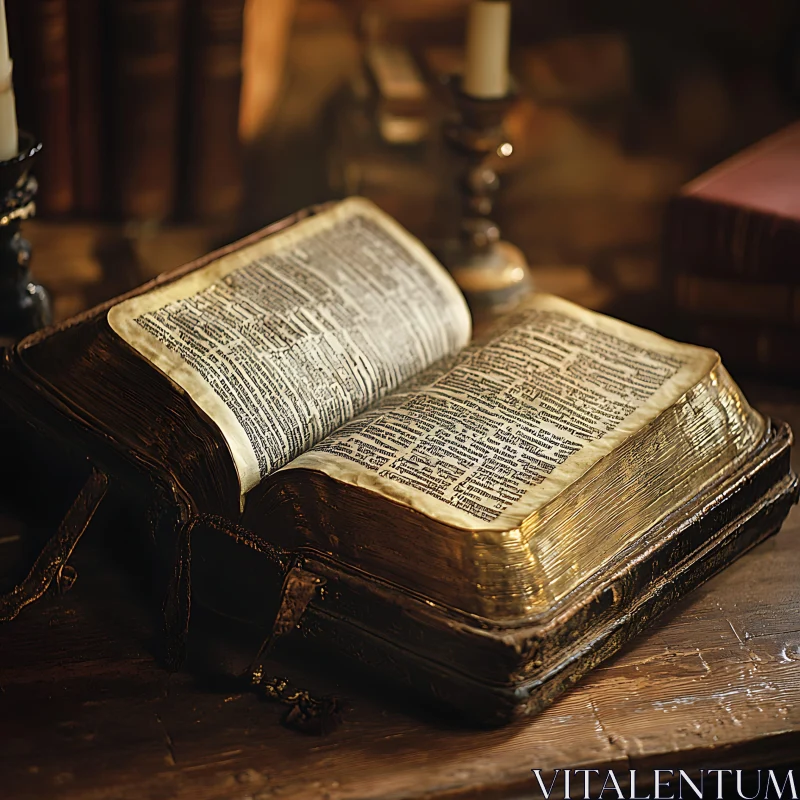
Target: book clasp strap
(307, 713)
(298, 587)
(51, 563)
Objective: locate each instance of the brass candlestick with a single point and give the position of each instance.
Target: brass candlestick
(24, 305)
(492, 273)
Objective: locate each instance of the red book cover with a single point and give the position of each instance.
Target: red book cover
(741, 220)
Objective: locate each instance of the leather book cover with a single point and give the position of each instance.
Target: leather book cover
(731, 240)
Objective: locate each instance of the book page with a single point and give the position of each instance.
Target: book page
(283, 341)
(484, 440)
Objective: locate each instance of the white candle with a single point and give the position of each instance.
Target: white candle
(486, 72)
(8, 112)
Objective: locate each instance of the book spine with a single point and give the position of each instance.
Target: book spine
(214, 173)
(702, 237)
(88, 141)
(50, 87)
(148, 42)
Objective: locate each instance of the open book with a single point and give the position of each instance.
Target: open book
(491, 517)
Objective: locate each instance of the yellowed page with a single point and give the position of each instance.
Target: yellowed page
(283, 341)
(486, 440)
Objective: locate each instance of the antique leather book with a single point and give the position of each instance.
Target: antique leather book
(324, 452)
(742, 218)
(731, 242)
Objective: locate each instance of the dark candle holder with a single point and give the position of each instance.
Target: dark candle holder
(24, 305)
(492, 273)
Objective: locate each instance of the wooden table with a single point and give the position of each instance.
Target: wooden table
(87, 713)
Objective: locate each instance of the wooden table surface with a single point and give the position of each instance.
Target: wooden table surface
(87, 713)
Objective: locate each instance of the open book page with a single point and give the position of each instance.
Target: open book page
(491, 436)
(283, 341)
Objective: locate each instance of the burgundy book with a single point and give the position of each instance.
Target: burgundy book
(731, 246)
(214, 172)
(742, 218)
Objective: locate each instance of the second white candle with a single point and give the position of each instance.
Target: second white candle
(488, 28)
(8, 113)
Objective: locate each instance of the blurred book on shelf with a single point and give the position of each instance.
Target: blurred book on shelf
(731, 246)
(136, 103)
(147, 54)
(47, 43)
(86, 25)
(213, 169)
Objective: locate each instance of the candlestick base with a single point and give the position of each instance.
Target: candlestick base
(24, 305)
(494, 280)
(492, 273)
